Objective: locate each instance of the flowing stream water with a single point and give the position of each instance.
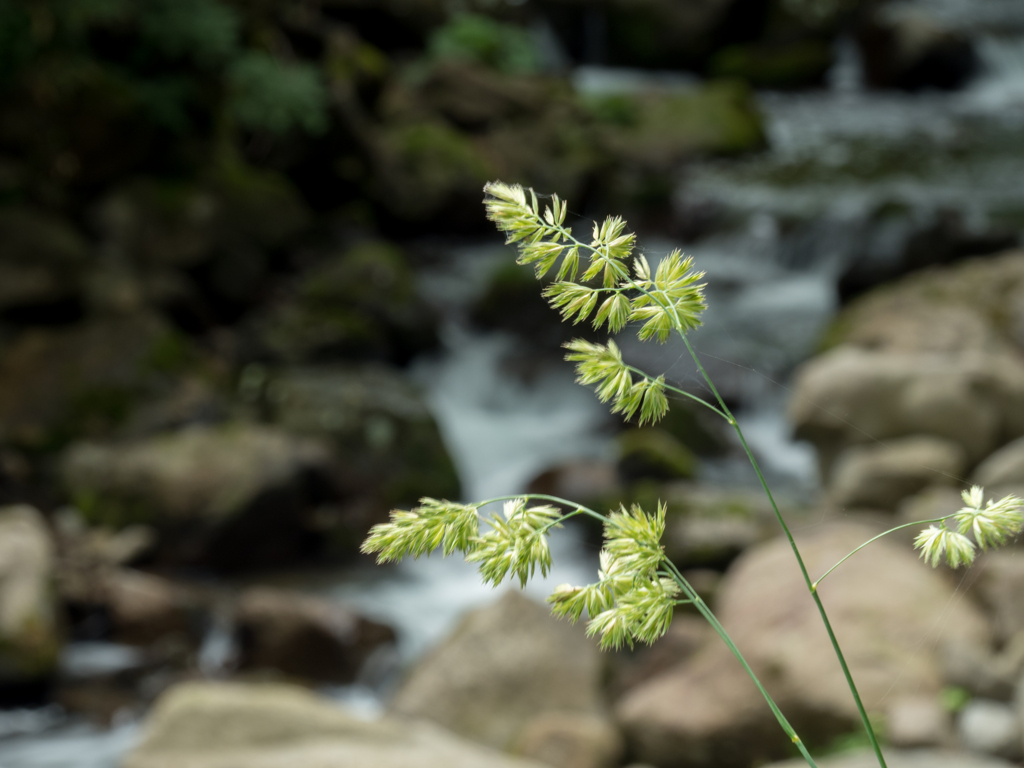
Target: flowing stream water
(798, 217)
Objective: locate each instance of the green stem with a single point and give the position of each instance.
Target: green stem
(727, 414)
(876, 538)
(710, 617)
(580, 509)
(799, 558)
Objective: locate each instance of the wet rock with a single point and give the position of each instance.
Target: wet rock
(30, 637)
(917, 721)
(906, 48)
(571, 740)
(880, 476)
(991, 728)
(304, 636)
(387, 447)
(361, 304)
(42, 259)
(227, 497)
(216, 725)
(1003, 467)
(881, 603)
(502, 667)
(915, 758)
(848, 396)
(57, 384)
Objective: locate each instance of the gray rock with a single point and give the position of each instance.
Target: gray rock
(918, 758)
(882, 602)
(880, 476)
(304, 636)
(571, 740)
(30, 638)
(1002, 467)
(222, 725)
(990, 727)
(502, 667)
(229, 496)
(849, 396)
(917, 721)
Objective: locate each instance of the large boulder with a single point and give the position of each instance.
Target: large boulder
(904, 47)
(304, 636)
(504, 666)
(223, 725)
(30, 637)
(881, 602)
(922, 758)
(1004, 467)
(227, 497)
(849, 395)
(65, 382)
(388, 449)
(880, 476)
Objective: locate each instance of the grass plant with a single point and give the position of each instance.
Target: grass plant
(638, 587)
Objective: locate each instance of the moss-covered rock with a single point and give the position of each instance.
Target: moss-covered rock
(654, 130)
(30, 637)
(389, 451)
(649, 452)
(57, 384)
(361, 304)
(797, 65)
(227, 497)
(42, 259)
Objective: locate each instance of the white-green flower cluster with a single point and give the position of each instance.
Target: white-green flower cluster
(631, 600)
(453, 527)
(516, 542)
(602, 365)
(991, 524)
(671, 295)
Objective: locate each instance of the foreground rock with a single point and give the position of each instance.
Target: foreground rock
(224, 497)
(504, 669)
(882, 602)
(304, 636)
(924, 758)
(220, 725)
(880, 476)
(29, 631)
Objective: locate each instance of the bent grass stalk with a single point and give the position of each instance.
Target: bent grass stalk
(638, 587)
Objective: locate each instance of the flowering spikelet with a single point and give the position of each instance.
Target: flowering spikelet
(517, 542)
(633, 539)
(937, 540)
(993, 523)
(602, 365)
(613, 581)
(643, 613)
(671, 296)
(420, 531)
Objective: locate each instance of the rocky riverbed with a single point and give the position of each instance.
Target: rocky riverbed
(249, 304)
